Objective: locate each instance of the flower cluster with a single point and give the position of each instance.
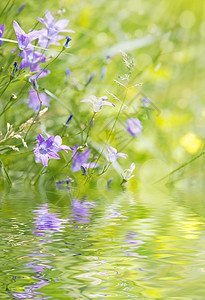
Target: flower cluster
(31, 58)
(47, 149)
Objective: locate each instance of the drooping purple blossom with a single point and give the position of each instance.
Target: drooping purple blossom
(50, 35)
(47, 149)
(30, 57)
(134, 126)
(113, 155)
(81, 160)
(98, 102)
(2, 28)
(24, 40)
(33, 101)
(41, 72)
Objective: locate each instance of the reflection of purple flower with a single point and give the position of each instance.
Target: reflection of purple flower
(135, 244)
(81, 160)
(50, 36)
(134, 126)
(34, 102)
(38, 266)
(113, 155)
(98, 102)
(81, 210)
(24, 295)
(2, 28)
(29, 296)
(47, 221)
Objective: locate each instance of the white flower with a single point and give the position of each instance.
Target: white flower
(127, 173)
(98, 102)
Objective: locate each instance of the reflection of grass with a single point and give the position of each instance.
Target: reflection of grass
(164, 40)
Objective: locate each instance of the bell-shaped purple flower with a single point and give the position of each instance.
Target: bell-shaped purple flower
(50, 36)
(43, 150)
(57, 144)
(30, 57)
(134, 126)
(46, 149)
(41, 72)
(2, 28)
(33, 101)
(24, 39)
(80, 160)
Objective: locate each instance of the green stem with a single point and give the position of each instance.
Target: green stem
(38, 175)
(35, 116)
(90, 125)
(180, 167)
(121, 106)
(7, 175)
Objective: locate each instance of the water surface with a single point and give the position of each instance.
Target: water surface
(148, 244)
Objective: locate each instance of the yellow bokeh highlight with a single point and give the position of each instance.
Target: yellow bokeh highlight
(85, 16)
(191, 142)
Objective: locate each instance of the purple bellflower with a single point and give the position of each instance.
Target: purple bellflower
(80, 160)
(47, 149)
(2, 28)
(30, 57)
(33, 101)
(113, 155)
(41, 72)
(24, 40)
(57, 144)
(97, 102)
(50, 36)
(134, 126)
